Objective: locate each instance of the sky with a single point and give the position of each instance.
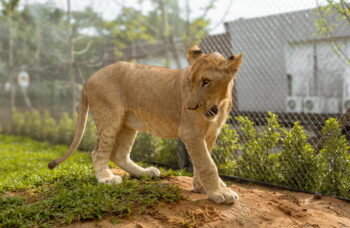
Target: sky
(225, 10)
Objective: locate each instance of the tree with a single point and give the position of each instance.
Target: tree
(334, 161)
(330, 17)
(9, 8)
(162, 23)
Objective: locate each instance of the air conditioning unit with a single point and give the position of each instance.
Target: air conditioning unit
(345, 104)
(313, 104)
(294, 104)
(346, 91)
(332, 105)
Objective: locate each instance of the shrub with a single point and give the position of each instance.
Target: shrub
(166, 151)
(144, 147)
(17, 122)
(297, 161)
(225, 149)
(34, 125)
(334, 161)
(65, 131)
(258, 162)
(254, 154)
(44, 127)
(49, 131)
(90, 137)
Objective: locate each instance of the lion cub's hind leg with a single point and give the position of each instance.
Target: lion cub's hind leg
(121, 154)
(100, 156)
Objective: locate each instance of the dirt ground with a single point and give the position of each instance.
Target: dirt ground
(258, 207)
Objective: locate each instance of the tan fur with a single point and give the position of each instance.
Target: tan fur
(126, 98)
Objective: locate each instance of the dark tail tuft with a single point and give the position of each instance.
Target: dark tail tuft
(53, 164)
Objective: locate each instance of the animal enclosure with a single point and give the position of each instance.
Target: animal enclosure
(291, 115)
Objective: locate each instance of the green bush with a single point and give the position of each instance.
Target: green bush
(166, 151)
(297, 163)
(34, 124)
(225, 150)
(17, 122)
(271, 155)
(65, 131)
(150, 148)
(49, 131)
(144, 147)
(43, 127)
(90, 137)
(258, 162)
(334, 161)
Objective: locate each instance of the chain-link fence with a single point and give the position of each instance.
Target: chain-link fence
(298, 68)
(294, 78)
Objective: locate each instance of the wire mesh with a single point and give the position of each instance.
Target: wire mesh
(296, 65)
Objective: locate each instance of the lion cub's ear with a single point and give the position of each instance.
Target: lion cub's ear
(193, 53)
(232, 63)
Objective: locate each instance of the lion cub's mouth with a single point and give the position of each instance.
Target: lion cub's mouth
(212, 112)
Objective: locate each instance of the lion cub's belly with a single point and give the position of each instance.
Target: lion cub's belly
(151, 126)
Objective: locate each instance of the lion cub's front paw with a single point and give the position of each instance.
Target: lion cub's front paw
(223, 195)
(115, 179)
(152, 172)
(199, 188)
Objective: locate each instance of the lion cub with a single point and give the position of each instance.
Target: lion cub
(191, 104)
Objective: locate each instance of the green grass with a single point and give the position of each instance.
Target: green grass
(33, 195)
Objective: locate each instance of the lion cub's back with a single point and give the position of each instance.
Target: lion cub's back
(136, 84)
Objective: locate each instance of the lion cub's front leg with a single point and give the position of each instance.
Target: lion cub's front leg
(207, 171)
(197, 183)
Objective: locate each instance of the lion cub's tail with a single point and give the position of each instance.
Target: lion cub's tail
(79, 130)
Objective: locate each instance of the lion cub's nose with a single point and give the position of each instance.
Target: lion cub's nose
(193, 108)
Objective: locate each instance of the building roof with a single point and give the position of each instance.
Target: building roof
(295, 26)
(217, 43)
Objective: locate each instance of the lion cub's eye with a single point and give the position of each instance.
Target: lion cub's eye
(205, 82)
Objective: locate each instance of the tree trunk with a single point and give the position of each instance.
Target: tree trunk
(71, 58)
(175, 53)
(165, 34)
(38, 45)
(10, 69)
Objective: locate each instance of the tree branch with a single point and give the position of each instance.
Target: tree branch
(83, 51)
(224, 16)
(331, 35)
(206, 9)
(345, 7)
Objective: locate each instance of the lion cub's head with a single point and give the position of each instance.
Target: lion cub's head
(210, 80)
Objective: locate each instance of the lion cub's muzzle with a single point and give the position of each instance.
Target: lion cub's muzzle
(212, 112)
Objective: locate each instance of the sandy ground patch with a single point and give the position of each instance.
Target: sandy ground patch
(258, 207)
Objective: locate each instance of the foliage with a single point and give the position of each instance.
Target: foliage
(144, 147)
(270, 154)
(153, 149)
(334, 161)
(42, 126)
(134, 26)
(166, 152)
(298, 166)
(40, 34)
(70, 193)
(225, 149)
(329, 18)
(258, 162)
(49, 131)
